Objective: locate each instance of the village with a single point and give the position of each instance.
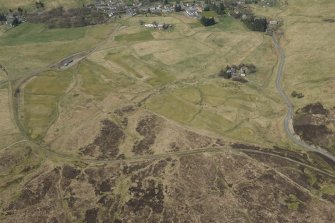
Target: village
(117, 8)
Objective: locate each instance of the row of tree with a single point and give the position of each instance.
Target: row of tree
(39, 5)
(61, 18)
(2, 17)
(219, 9)
(256, 23)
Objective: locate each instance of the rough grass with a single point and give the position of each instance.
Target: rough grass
(229, 110)
(99, 81)
(140, 36)
(166, 60)
(8, 131)
(41, 97)
(161, 77)
(173, 108)
(264, 58)
(228, 23)
(309, 65)
(219, 106)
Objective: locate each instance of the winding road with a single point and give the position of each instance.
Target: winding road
(288, 121)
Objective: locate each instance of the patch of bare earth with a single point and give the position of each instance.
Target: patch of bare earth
(147, 128)
(316, 125)
(106, 144)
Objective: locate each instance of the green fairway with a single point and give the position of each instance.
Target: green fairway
(98, 81)
(33, 33)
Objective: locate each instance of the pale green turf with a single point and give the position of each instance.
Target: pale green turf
(140, 36)
(98, 81)
(209, 14)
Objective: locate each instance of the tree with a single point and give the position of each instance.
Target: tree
(15, 22)
(206, 8)
(177, 8)
(207, 21)
(294, 94)
(251, 68)
(2, 18)
(226, 74)
(300, 95)
(39, 4)
(256, 23)
(20, 10)
(221, 9)
(166, 26)
(260, 24)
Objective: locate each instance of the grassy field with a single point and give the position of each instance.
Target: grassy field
(8, 131)
(41, 98)
(229, 110)
(309, 67)
(99, 81)
(186, 55)
(209, 14)
(178, 66)
(140, 36)
(33, 33)
(176, 58)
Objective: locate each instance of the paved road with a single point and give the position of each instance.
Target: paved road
(288, 126)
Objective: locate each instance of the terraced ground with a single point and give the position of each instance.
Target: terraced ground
(140, 128)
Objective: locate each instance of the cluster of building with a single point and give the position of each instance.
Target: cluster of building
(13, 19)
(238, 72)
(116, 7)
(193, 11)
(112, 8)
